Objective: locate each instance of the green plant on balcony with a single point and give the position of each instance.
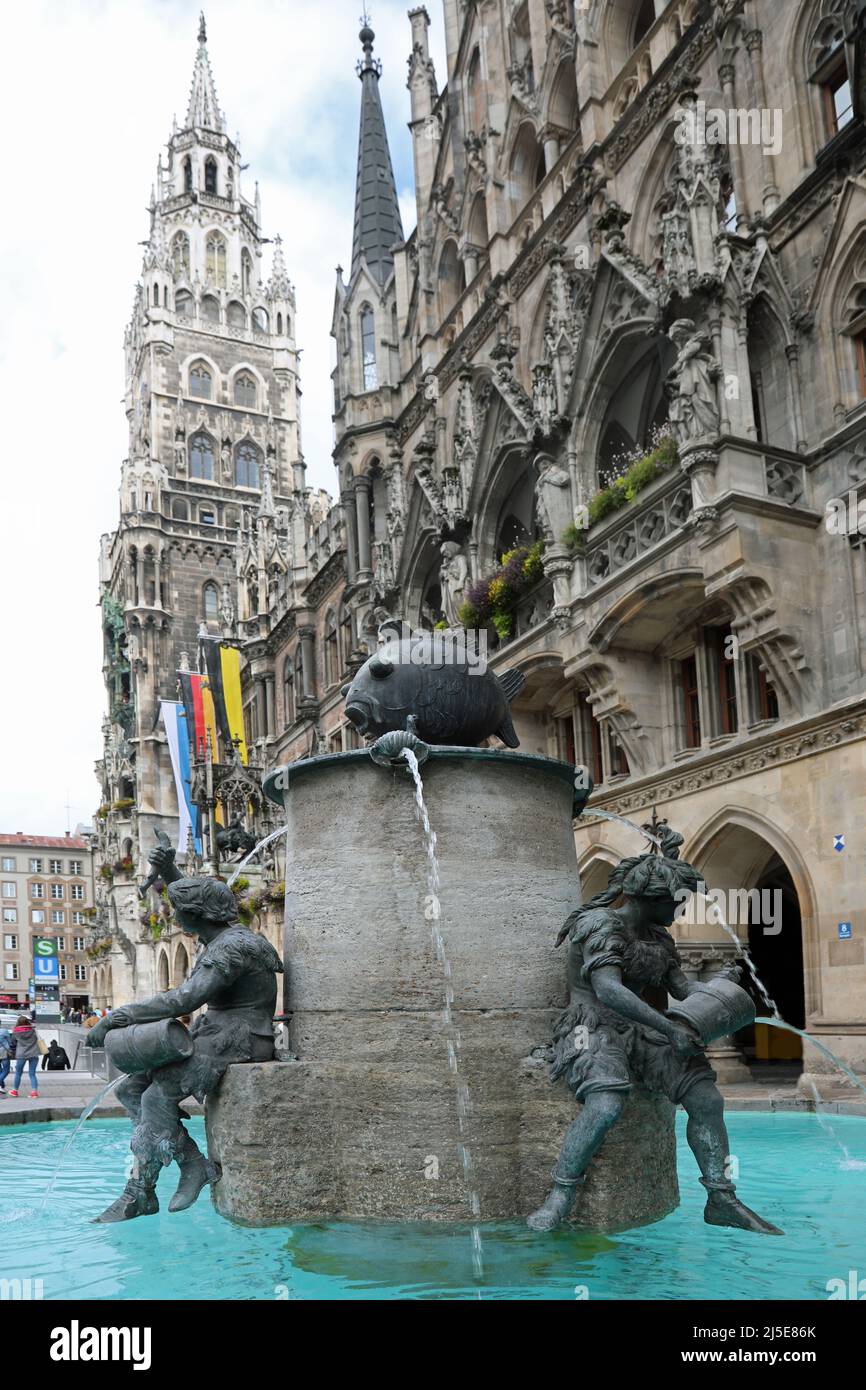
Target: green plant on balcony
(123, 803)
(638, 473)
(494, 599)
(106, 872)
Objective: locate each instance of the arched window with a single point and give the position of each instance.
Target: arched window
(245, 390)
(211, 603)
(236, 315)
(332, 651)
(180, 254)
(201, 457)
(247, 465)
(644, 21)
(215, 260)
(183, 304)
(260, 320)
(246, 272)
(187, 175)
(210, 309)
(527, 166)
(279, 325)
(156, 296)
(210, 175)
(452, 279)
(288, 693)
(475, 94)
(368, 348)
(200, 381)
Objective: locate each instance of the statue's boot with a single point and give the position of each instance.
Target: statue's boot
(196, 1172)
(556, 1206)
(724, 1208)
(138, 1198)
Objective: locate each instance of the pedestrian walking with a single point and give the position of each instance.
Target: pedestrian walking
(26, 1047)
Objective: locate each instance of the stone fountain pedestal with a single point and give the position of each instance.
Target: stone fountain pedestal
(365, 1122)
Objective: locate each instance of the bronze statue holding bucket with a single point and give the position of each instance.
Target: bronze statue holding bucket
(235, 976)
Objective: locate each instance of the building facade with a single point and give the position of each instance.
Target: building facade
(47, 890)
(625, 349)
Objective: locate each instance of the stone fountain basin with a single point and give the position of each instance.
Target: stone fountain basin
(365, 1122)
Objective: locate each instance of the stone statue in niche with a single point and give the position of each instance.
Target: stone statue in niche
(553, 498)
(235, 976)
(691, 386)
(454, 576)
(609, 1037)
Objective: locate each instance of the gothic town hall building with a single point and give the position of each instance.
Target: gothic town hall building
(624, 347)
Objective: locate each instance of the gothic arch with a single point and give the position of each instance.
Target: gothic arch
(594, 867)
(180, 968)
(561, 107)
(808, 24)
(162, 970)
(508, 471)
(709, 849)
(247, 369)
(622, 362)
(525, 165)
(687, 585)
(216, 375)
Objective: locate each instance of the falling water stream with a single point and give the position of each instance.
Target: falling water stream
(452, 1032)
(85, 1115)
(254, 851)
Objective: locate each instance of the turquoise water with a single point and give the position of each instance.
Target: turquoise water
(791, 1171)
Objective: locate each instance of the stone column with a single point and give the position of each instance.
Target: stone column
(754, 48)
(308, 653)
(351, 537)
(726, 77)
(792, 352)
(362, 514)
(270, 706)
(550, 140)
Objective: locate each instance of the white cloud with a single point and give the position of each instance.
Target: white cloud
(87, 94)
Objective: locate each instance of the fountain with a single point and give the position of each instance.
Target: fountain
(422, 981)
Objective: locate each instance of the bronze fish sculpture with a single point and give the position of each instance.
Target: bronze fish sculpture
(438, 681)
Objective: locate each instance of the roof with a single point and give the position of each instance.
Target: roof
(44, 841)
(378, 225)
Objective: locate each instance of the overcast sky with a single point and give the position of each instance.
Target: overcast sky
(88, 89)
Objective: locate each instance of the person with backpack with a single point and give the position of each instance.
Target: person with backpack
(55, 1059)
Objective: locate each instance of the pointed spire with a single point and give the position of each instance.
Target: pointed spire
(203, 109)
(378, 224)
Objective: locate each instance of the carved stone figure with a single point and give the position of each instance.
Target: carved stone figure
(691, 385)
(553, 496)
(454, 576)
(609, 1037)
(235, 976)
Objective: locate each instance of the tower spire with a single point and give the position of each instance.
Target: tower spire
(378, 224)
(203, 109)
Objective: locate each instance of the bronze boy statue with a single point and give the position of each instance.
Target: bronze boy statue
(235, 976)
(609, 1037)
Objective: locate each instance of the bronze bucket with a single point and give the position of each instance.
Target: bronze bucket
(715, 1009)
(144, 1046)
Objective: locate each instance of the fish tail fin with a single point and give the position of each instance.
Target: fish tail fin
(507, 734)
(512, 683)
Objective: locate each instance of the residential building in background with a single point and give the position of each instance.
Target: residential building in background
(47, 891)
